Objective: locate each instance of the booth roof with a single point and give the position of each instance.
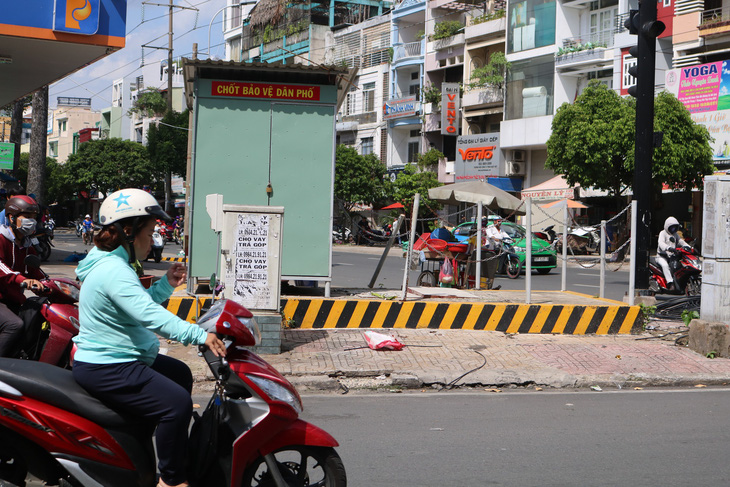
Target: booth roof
(258, 71)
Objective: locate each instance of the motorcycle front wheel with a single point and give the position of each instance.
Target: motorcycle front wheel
(514, 267)
(44, 250)
(300, 466)
(158, 255)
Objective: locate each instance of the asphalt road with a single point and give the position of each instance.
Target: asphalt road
(638, 438)
(353, 269)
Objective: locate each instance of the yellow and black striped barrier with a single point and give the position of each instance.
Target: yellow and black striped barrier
(508, 318)
(174, 259)
(314, 313)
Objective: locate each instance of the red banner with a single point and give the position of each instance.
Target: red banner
(265, 90)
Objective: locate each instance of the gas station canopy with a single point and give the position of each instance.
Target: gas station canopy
(42, 41)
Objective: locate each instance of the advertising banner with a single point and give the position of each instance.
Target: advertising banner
(705, 91)
(450, 106)
(477, 157)
(7, 152)
(401, 107)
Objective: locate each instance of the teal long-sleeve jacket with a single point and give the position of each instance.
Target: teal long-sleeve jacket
(119, 317)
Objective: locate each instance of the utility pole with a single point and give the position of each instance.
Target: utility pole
(169, 64)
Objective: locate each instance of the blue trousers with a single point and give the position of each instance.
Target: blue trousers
(160, 393)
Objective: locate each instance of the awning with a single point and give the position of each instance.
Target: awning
(555, 188)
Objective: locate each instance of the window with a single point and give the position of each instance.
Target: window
(350, 102)
(62, 127)
(529, 89)
(53, 149)
(367, 146)
(531, 24)
(415, 90)
(601, 22)
(368, 97)
(627, 80)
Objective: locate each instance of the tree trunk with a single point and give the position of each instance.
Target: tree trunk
(16, 131)
(37, 159)
(168, 192)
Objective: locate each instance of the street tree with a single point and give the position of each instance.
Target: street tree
(149, 103)
(167, 147)
(592, 142)
(358, 179)
(37, 162)
(419, 178)
(107, 165)
(55, 189)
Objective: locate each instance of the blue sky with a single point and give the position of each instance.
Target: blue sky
(725, 81)
(146, 24)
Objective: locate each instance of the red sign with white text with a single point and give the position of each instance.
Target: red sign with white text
(265, 90)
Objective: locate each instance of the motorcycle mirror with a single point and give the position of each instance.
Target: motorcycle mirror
(33, 261)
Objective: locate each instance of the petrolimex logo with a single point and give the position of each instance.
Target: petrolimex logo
(76, 16)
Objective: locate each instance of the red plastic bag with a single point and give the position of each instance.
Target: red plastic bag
(379, 341)
(446, 275)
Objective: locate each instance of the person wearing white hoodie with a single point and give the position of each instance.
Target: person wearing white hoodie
(669, 240)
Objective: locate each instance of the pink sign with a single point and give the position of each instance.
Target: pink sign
(699, 87)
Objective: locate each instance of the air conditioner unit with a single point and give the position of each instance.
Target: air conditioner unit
(518, 155)
(515, 168)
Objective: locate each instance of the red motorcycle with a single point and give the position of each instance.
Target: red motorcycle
(686, 268)
(249, 434)
(53, 320)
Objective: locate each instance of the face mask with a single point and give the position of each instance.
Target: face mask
(27, 226)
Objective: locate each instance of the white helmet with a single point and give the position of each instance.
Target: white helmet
(129, 203)
(87, 216)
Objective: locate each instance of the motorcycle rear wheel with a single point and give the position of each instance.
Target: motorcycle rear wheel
(427, 279)
(301, 466)
(12, 468)
(45, 250)
(694, 286)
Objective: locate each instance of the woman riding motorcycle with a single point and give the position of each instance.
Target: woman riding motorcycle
(117, 359)
(669, 240)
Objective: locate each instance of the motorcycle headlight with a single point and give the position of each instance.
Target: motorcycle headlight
(699, 265)
(277, 392)
(520, 249)
(68, 290)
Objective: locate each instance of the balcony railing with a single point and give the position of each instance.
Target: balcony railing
(715, 21)
(408, 50)
(588, 41)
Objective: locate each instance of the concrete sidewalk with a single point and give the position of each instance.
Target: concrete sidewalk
(338, 360)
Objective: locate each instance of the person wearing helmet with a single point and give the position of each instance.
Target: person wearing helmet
(21, 212)
(669, 240)
(117, 357)
(87, 226)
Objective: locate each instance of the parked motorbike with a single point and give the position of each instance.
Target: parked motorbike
(509, 262)
(158, 243)
(341, 233)
(42, 240)
(548, 234)
(54, 320)
(250, 433)
(582, 240)
(79, 228)
(686, 269)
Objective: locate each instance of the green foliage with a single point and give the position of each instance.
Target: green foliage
(430, 159)
(108, 165)
(646, 313)
(167, 145)
(685, 156)
(55, 190)
(149, 103)
(712, 354)
(689, 315)
(497, 14)
(578, 47)
(592, 140)
(412, 181)
(430, 94)
(492, 73)
(446, 28)
(359, 179)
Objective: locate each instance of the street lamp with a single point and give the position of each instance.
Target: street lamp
(239, 4)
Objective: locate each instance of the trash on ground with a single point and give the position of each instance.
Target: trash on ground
(638, 388)
(596, 388)
(380, 341)
(493, 390)
(700, 385)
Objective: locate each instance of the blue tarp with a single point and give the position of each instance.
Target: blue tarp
(507, 184)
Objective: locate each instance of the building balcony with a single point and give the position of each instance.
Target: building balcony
(715, 22)
(408, 52)
(578, 53)
(442, 44)
(484, 96)
(490, 28)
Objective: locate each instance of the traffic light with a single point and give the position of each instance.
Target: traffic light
(645, 50)
(632, 22)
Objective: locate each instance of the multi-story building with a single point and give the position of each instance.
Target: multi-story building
(65, 121)
(365, 46)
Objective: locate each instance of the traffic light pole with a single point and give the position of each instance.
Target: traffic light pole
(644, 144)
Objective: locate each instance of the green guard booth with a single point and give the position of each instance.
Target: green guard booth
(264, 134)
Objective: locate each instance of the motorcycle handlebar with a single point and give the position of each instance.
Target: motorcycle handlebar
(44, 288)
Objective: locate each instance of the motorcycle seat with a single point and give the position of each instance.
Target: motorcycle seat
(56, 386)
